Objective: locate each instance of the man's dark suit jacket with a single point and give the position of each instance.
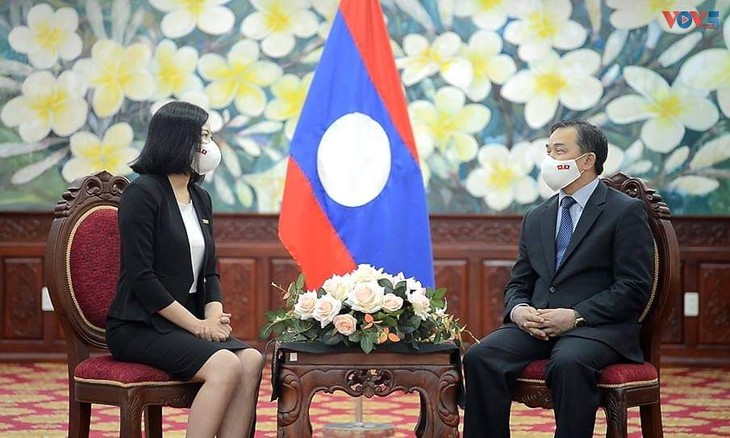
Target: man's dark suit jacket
(606, 274)
(155, 253)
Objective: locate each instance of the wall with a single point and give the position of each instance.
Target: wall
(473, 257)
(484, 80)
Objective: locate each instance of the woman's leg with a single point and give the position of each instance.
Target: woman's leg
(242, 408)
(220, 375)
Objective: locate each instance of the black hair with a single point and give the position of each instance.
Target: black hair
(172, 140)
(590, 139)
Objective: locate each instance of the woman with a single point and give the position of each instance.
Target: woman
(168, 310)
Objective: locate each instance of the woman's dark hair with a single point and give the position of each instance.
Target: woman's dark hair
(172, 139)
(590, 139)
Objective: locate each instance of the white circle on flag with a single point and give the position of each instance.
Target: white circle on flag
(353, 159)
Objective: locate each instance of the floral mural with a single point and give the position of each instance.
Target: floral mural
(484, 81)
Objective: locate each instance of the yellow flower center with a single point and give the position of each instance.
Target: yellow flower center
(542, 25)
(47, 105)
(195, 7)
(47, 36)
(551, 83)
(479, 64)
(501, 177)
(668, 108)
(488, 5)
(171, 75)
(442, 130)
(277, 19)
(661, 5)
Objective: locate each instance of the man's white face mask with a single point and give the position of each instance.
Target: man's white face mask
(206, 158)
(560, 173)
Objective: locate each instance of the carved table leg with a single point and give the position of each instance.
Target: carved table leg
(293, 407)
(439, 416)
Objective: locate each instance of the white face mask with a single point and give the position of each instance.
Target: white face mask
(206, 158)
(560, 173)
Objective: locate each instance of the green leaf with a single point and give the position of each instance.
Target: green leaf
(366, 344)
(300, 282)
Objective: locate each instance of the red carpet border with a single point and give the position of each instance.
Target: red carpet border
(695, 403)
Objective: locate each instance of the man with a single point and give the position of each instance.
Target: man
(581, 279)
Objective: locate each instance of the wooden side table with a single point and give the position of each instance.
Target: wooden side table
(302, 369)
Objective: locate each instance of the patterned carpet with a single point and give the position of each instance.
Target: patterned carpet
(696, 403)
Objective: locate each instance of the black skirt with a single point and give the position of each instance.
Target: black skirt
(178, 352)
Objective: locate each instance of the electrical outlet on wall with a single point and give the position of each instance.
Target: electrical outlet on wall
(691, 303)
(46, 304)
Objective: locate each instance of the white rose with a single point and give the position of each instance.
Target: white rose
(338, 286)
(414, 285)
(366, 273)
(366, 296)
(392, 302)
(326, 309)
(305, 305)
(345, 324)
(421, 304)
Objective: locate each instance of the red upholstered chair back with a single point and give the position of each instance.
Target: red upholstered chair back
(93, 264)
(83, 252)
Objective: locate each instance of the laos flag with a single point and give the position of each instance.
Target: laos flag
(354, 192)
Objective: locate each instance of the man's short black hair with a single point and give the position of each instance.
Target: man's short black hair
(590, 139)
(172, 139)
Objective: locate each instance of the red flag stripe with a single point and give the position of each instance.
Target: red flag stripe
(371, 38)
(305, 225)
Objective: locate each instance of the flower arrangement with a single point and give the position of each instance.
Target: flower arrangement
(366, 307)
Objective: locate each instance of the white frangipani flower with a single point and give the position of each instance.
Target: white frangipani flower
(694, 185)
(447, 124)
(238, 78)
(553, 80)
(47, 103)
(710, 70)
(713, 152)
(276, 23)
(290, 92)
(328, 10)
(174, 70)
(182, 16)
(423, 60)
(667, 110)
(48, 36)
(542, 25)
(503, 176)
(488, 64)
(485, 14)
(91, 154)
(269, 187)
(633, 14)
(676, 159)
(116, 72)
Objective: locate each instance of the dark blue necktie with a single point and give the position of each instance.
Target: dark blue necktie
(564, 231)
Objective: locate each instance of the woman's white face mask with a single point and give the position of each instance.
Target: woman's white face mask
(206, 158)
(560, 173)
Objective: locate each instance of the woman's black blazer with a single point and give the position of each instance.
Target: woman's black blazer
(155, 254)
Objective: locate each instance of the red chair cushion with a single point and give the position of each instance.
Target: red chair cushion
(94, 264)
(109, 371)
(617, 374)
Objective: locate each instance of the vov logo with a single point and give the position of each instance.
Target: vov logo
(685, 19)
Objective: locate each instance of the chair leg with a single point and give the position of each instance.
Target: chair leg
(153, 421)
(130, 420)
(79, 417)
(651, 421)
(616, 415)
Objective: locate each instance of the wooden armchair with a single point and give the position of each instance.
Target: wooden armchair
(81, 269)
(628, 385)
